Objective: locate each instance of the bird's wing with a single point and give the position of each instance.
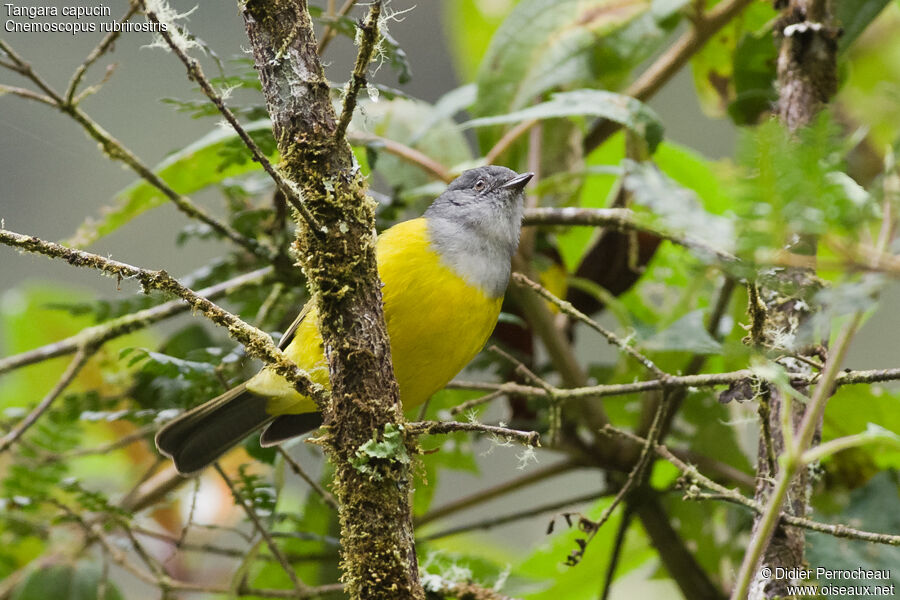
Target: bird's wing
(289, 334)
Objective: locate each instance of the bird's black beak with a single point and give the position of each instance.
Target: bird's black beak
(518, 182)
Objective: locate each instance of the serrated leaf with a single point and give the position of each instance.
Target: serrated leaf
(618, 108)
(208, 161)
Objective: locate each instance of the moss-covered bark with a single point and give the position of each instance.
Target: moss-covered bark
(338, 257)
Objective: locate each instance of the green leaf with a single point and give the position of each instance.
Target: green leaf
(66, 582)
(792, 186)
(469, 26)
(208, 161)
(714, 66)
(754, 78)
(677, 207)
(854, 17)
(618, 108)
(875, 507)
(420, 125)
(687, 334)
(547, 44)
(545, 564)
(849, 412)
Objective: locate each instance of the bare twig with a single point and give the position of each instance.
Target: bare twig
(407, 153)
(528, 438)
(496, 491)
(675, 381)
(195, 74)
(81, 357)
(470, 404)
(27, 94)
(612, 338)
(735, 497)
(298, 470)
(115, 150)
(331, 30)
(509, 139)
(299, 586)
(102, 48)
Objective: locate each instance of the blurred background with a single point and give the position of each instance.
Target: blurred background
(52, 177)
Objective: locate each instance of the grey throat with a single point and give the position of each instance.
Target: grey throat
(478, 242)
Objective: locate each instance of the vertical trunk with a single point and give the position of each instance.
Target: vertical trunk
(807, 78)
(338, 257)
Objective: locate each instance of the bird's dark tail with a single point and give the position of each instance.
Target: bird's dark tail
(200, 436)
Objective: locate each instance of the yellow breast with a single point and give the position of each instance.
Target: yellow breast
(436, 321)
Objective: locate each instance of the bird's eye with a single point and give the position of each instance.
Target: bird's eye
(479, 185)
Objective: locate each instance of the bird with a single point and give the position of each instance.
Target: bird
(444, 276)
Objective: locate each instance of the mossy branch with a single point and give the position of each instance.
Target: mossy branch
(257, 343)
(378, 551)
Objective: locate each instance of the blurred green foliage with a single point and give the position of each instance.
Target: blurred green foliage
(563, 64)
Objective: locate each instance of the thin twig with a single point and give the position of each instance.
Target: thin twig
(470, 404)
(516, 516)
(528, 438)
(616, 553)
(100, 334)
(195, 74)
(263, 531)
(792, 459)
(27, 94)
(95, 55)
(847, 377)
(612, 338)
(81, 357)
(298, 470)
(367, 42)
(508, 139)
(496, 491)
(257, 343)
(735, 497)
(407, 153)
(115, 150)
(331, 30)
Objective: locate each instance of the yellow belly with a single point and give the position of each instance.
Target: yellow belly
(435, 320)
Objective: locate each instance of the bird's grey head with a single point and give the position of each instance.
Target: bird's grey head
(474, 225)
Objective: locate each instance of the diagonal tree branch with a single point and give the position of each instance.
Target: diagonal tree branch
(257, 343)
